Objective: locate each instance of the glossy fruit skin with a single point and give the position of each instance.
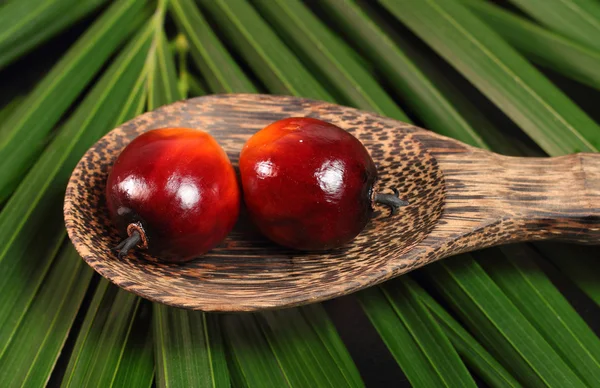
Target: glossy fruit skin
(307, 183)
(179, 184)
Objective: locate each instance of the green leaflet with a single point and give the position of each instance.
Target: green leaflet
(221, 72)
(580, 263)
(25, 131)
(539, 300)
(36, 345)
(189, 350)
(24, 30)
(273, 62)
(250, 359)
(400, 71)
(160, 65)
(576, 19)
(19, 19)
(108, 351)
(329, 56)
(474, 354)
(507, 79)
(9, 108)
(503, 328)
(418, 344)
(283, 348)
(317, 317)
(541, 45)
(31, 223)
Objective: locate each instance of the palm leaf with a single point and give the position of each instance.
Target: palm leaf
(189, 350)
(281, 348)
(538, 299)
(577, 19)
(31, 223)
(24, 30)
(327, 333)
(541, 45)
(401, 72)
(8, 109)
(501, 325)
(508, 317)
(329, 56)
(474, 354)
(108, 351)
(217, 65)
(578, 263)
(252, 362)
(34, 348)
(501, 74)
(26, 130)
(419, 346)
(274, 63)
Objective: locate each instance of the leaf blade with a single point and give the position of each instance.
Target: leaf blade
(537, 298)
(273, 62)
(189, 350)
(402, 73)
(31, 223)
(35, 347)
(317, 45)
(214, 61)
(21, 42)
(501, 74)
(438, 355)
(576, 19)
(466, 345)
(24, 132)
(482, 301)
(107, 349)
(542, 46)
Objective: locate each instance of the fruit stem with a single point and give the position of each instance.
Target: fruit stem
(128, 244)
(392, 201)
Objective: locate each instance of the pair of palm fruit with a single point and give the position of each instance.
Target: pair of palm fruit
(307, 184)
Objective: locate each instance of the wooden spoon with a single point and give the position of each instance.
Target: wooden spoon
(461, 198)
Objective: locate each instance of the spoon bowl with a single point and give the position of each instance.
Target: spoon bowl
(460, 198)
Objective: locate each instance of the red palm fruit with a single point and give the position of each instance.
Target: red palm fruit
(174, 192)
(308, 184)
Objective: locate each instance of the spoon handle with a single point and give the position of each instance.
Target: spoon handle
(532, 198)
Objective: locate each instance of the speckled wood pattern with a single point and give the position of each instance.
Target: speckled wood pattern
(246, 272)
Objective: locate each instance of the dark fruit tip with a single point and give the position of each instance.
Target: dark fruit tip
(392, 201)
(128, 244)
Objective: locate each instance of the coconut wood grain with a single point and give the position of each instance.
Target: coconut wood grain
(461, 199)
